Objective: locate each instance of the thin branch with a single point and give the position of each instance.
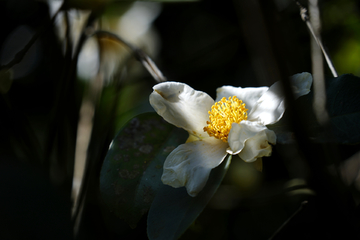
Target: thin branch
(85, 126)
(305, 17)
(314, 25)
(139, 54)
(289, 219)
(319, 101)
(21, 54)
(84, 129)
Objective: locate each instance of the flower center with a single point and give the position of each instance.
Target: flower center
(223, 113)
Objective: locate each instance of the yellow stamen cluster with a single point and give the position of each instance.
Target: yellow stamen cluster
(223, 113)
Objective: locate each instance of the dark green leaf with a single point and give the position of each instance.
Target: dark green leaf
(173, 210)
(343, 104)
(131, 173)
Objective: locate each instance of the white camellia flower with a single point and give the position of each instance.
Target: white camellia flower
(219, 127)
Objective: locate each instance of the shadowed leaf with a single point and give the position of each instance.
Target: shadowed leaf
(343, 106)
(131, 173)
(173, 210)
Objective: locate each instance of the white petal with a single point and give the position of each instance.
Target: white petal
(250, 140)
(249, 95)
(182, 106)
(190, 164)
(271, 106)
(301, 83)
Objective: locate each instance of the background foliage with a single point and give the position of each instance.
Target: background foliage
(46, 96)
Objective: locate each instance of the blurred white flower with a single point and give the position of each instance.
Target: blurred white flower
(109, 56)
(132, 22)
(220, 127)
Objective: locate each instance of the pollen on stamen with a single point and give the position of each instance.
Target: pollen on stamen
(223, 113)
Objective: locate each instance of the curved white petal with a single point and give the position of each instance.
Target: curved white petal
(182, 106)
(271, 106)
(250, 140)
(249, 95)
(190, 164)
(255, 148)
(301, 83)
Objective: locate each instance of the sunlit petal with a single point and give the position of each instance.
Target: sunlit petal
(257, 147)
(250, 140)
(182, 106)
(190, 164)
(249, 95)
(248, 137)
(271, 106)
(245, 131)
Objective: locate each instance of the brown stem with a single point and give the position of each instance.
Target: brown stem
(305, 17)
(139, 54)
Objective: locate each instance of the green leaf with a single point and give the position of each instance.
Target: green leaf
(343, 104)
(132, 169)
(173, 210)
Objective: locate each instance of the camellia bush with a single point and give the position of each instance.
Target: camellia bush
(180, 119)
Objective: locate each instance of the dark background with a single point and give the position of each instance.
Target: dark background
(205, 44)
